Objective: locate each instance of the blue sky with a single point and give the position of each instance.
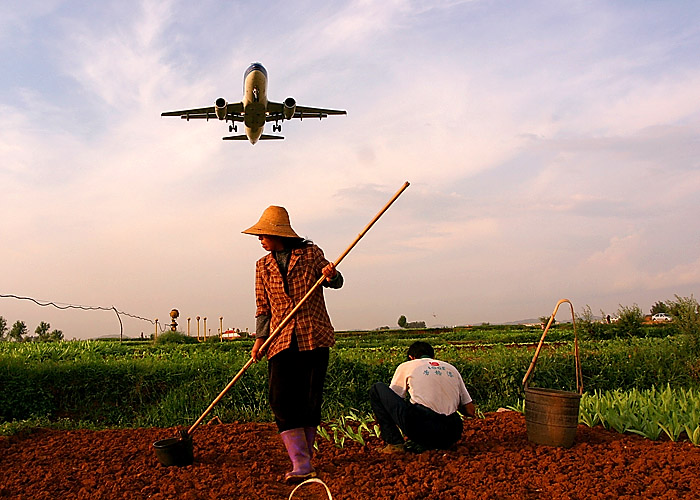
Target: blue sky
(552, 150)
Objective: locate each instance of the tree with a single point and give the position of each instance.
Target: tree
(544, 321)
(660, 307)
(686, 317)
(588, 325)
(630, 321)
(19, 329)
(403, 323)
(43, 331)
(56, 336)
(3, 328)
(415, 324)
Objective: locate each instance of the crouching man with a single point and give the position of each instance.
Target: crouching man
(430, 417)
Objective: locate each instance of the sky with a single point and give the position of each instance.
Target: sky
(553, 151)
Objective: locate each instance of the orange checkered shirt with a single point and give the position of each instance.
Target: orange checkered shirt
(310, 323)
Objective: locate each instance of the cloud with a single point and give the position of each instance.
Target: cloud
(16, 18)
(547, 148)
(119, 63)
(625, 266)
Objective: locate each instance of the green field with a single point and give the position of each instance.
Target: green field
(142, 384)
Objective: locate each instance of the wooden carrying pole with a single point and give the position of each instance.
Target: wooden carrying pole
(291, 314)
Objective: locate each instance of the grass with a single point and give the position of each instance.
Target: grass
(112, 384)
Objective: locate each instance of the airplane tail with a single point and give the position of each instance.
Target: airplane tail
(244, 137)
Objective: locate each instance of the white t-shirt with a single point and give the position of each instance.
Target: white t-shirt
(432, 383)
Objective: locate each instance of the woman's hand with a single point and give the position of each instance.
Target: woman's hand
(329, 271)
(256, 354)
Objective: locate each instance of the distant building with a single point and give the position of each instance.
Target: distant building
(233, 333)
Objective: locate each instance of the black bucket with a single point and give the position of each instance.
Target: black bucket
(551, 416)
(174, 451)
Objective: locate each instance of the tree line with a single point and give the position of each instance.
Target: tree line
(685, 312)
(20, 333)
(404, 323)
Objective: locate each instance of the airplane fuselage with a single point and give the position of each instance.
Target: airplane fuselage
(254, 101)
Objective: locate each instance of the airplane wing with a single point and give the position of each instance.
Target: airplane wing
(308, 111)
(276, 112)
(233, 113)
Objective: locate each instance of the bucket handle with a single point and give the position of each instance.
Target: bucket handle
(579, 378)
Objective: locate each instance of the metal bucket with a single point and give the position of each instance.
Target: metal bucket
(174, 451)
(551, 416)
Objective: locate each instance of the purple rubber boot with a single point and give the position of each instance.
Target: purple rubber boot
(310, 433)
(298, 449)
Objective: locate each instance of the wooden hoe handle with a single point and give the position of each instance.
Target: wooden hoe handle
(291, 314)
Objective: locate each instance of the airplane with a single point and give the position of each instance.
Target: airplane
(254, 110)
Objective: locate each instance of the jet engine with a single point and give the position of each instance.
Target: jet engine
(290, 106)
(220, 107)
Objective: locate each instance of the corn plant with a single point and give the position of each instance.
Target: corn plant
(518, 406)
(649, 413)
(693, 434)
(350, 426)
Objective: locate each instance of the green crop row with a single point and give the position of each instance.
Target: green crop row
(500, 334)
(139, 384)
(494, 373)
(649, 412)
(90, 350)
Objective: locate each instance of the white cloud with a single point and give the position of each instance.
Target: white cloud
(624, 264)
(545, 144)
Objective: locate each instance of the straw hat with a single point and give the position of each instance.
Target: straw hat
(274, 221)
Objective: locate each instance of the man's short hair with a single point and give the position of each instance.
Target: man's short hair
(420, 349)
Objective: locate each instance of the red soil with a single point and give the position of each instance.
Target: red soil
(493, 459)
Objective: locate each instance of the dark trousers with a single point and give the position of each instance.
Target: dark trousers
(296, 386)
(417, 422)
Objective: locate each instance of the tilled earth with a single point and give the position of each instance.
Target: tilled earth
(493, 459)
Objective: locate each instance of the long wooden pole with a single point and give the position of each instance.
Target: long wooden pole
(291, 314)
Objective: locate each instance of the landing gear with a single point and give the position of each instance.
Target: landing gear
(277, 128)
(232, 128)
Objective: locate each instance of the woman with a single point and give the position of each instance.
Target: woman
(298, 355)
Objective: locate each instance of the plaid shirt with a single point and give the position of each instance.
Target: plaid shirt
(311, 323)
